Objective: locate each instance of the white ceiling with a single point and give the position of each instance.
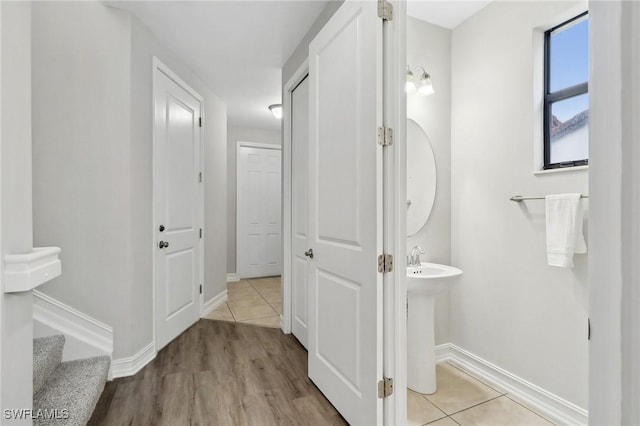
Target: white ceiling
(448, 14)
(237, 48)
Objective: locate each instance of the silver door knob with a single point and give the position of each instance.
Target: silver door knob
(309, 253)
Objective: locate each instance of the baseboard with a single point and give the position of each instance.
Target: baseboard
(232, 277)
(85, 336)
(213, 303)
(443, 353)
(124, 367)
(548, 404)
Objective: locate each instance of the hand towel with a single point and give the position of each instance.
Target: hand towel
(564, 229)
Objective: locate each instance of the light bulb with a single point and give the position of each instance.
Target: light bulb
(410, 85)
(426, 86)
(276, 110)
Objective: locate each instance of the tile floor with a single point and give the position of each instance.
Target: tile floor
(463, 400)
(460, 400)
(256, 301)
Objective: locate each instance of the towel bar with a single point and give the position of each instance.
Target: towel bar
(520, 198)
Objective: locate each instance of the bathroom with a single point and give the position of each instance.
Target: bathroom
(511, 330)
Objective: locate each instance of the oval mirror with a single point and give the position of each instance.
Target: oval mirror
(421, 178)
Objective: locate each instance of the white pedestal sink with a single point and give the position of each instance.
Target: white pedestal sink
(423, 283)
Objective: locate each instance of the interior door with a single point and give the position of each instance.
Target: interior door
(259, 233)
(300, 208)
(176, 206)
(345, 211)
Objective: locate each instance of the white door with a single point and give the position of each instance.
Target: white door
(259, 234)
(345, 211)
(176, 182)
(299, 208)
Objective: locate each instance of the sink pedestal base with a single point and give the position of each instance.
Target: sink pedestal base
(421, 351)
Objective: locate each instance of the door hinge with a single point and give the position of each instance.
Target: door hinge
(385, 10)
(385, 136)
(199, 121)
(200, 288)
(200, 232)
(385, 263)
(200, 177)
(385, 387)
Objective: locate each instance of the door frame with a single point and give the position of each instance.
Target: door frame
(394, 181)
(159, 66)
(286, 319)
(394, 39)
(260, 145)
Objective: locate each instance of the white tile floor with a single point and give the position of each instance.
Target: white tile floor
(464, 400)
(256, 301)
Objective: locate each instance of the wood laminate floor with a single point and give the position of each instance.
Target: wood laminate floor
(219, 373)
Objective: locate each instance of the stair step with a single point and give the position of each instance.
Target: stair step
(47, 355)
(75, 386)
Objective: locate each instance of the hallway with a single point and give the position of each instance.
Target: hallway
(219, 373)
(256, 301)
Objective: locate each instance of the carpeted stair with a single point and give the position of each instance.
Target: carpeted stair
(65, 393)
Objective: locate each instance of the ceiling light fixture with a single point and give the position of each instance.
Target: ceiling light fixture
(276, 110)
(424, 86)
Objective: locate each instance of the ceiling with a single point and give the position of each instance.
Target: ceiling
(448, 14)
(237, 48)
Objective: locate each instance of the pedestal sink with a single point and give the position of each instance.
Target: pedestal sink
(423, 283)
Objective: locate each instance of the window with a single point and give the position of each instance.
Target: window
(566, 94)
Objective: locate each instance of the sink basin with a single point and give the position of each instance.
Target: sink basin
(430, 278)
(423, 283)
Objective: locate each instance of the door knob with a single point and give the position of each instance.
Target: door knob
(161, 228)
(309, 253)
(163, 244)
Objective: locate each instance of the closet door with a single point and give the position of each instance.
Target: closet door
(259, 237)
(300, 209)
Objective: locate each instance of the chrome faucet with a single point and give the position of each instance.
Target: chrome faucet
(414, 258)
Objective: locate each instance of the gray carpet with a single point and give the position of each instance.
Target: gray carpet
(47, 354)
(71, 392)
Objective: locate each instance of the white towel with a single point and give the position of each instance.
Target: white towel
(564, 229)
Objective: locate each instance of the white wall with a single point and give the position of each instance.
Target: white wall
(81, 164)
(509, 307)
(429, 46)
(92, 124)
(16, 310)
(244, 134)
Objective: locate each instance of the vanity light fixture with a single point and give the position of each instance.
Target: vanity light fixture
(410, 85)
(424, 86)
(276, 110)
